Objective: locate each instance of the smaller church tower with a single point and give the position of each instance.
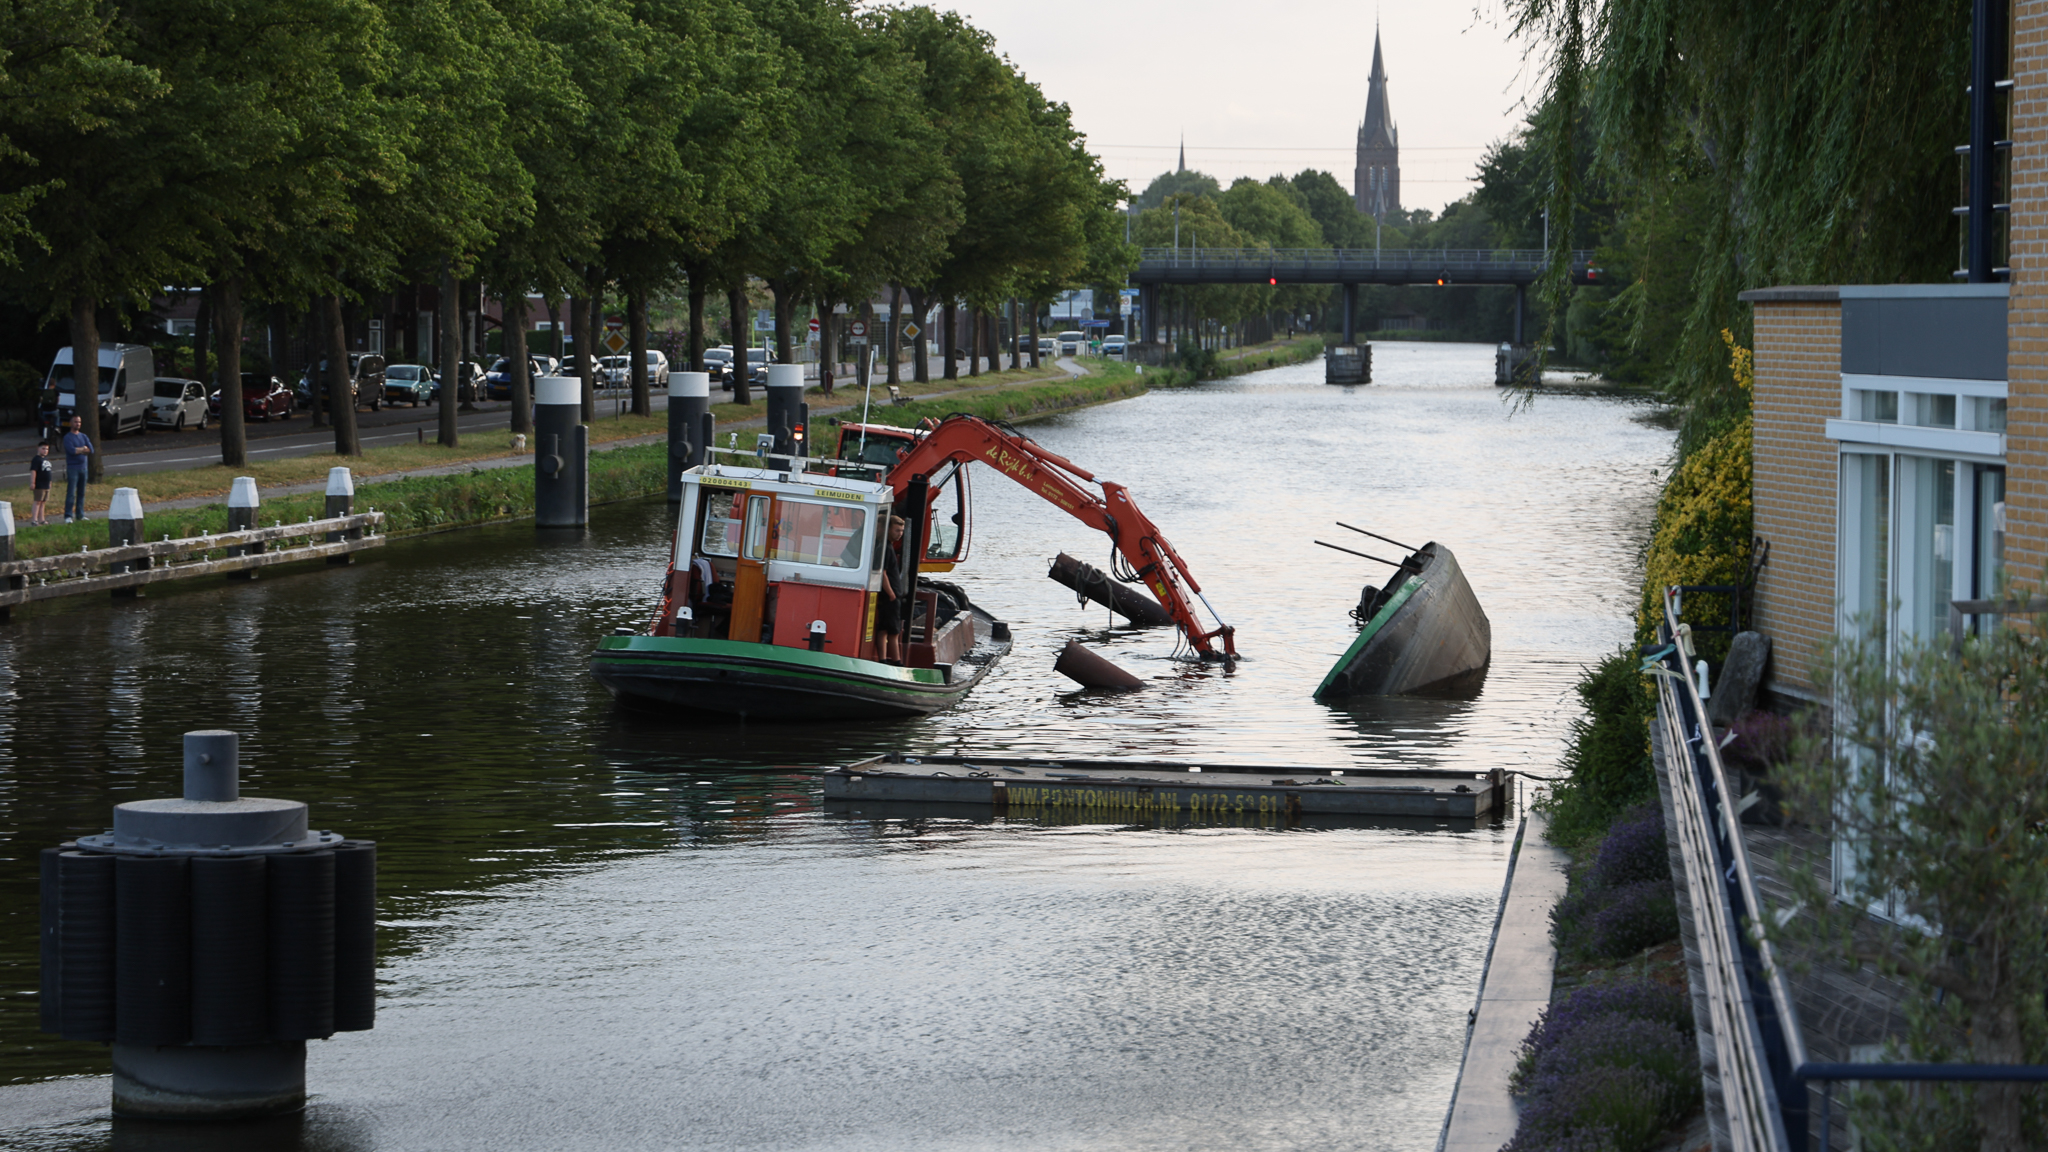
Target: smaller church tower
(1377, 183)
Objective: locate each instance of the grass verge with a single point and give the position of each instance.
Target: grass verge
(418, 504)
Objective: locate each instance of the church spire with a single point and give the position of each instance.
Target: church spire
(1183, 153)
(1376, 188)
(1378, 130)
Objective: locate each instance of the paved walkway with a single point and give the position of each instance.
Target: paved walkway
(1515, 989)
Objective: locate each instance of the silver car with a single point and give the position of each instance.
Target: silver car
(177, 404)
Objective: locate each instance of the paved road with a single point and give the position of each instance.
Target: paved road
(163, 451)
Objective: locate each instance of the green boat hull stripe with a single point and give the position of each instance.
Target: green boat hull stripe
(1371, 629)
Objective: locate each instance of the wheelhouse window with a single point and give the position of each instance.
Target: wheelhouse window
(808, 532)
(721, 534)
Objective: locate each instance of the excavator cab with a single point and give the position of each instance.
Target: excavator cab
(949, 508)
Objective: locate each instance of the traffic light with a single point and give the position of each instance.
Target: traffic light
(1272, 280)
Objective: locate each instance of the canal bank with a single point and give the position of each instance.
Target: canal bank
(594, 932)
(489, 488)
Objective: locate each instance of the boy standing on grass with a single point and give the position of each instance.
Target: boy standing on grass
(41, 472)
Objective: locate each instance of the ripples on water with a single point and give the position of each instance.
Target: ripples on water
(594, 935)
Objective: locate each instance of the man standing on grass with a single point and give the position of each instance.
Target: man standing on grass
(77, 447)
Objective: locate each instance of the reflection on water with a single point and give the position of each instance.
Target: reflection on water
(598, 930)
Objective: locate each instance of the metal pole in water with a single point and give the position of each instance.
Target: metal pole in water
(124, 526)
(689, 405)
(242, 505)
(7, 552)
(208, 938)
(785, 405)
(561, 454)
(341, 501)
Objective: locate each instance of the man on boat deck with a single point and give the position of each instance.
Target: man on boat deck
(888, 614)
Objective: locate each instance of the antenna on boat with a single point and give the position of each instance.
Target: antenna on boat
(1367, 555)
(1376, 536)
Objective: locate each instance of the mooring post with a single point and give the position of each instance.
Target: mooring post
(341, 501)
(785, 405)
(124, 526)
(242, 504)
(689, 405)
(208, 938)
(561, 454)
(7, 553)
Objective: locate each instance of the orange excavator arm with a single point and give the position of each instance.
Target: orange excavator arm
(1060, 481)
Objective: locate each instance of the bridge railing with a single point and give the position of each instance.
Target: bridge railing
(1454, 259)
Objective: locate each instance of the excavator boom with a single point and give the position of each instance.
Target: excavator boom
(1062, 483)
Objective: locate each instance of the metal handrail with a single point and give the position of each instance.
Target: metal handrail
(1683, 710)
(1417, 256)
(1715, 862)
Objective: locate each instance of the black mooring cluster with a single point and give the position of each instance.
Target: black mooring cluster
(209, 949)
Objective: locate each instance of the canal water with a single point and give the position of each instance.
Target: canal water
(595, 932)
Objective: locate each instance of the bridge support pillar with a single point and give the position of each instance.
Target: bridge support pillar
(1148, 312)
(1350, 315)
(1521, 309)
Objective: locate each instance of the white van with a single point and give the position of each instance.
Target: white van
(127, 384)
(1072, 343)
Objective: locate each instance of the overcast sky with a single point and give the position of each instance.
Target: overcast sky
(1260, 89)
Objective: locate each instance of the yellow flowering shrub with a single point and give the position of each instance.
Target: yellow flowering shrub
(1703, 528)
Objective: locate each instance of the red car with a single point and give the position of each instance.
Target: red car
(262, 398)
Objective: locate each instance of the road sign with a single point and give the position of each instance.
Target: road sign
(1129, 293)
(764, 320)
(814, 323)
(910, 330)
(615, 340)
(857, 328)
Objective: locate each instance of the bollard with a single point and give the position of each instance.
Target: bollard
(785, 406)
(7, 553)
(561, 454)
(689, 405)
(124, 526)
(242, 505)
(208, 938)
(341, 501)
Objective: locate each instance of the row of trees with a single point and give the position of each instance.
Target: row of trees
(309, 152)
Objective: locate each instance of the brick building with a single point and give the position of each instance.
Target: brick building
(1901, 446)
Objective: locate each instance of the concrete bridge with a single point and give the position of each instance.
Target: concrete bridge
(1517, 268)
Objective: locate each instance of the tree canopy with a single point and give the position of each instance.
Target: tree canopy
(285, 151)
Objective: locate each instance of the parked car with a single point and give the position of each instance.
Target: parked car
(718, 362)
(614, 371)
(262, 397)
(469, 377)
(365, 381)
(409, 383)
(127, 387)
(177, 404)
(657, 370)
(1046, 347)
(1071, 343)
(498, 381)
(1113, 347)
